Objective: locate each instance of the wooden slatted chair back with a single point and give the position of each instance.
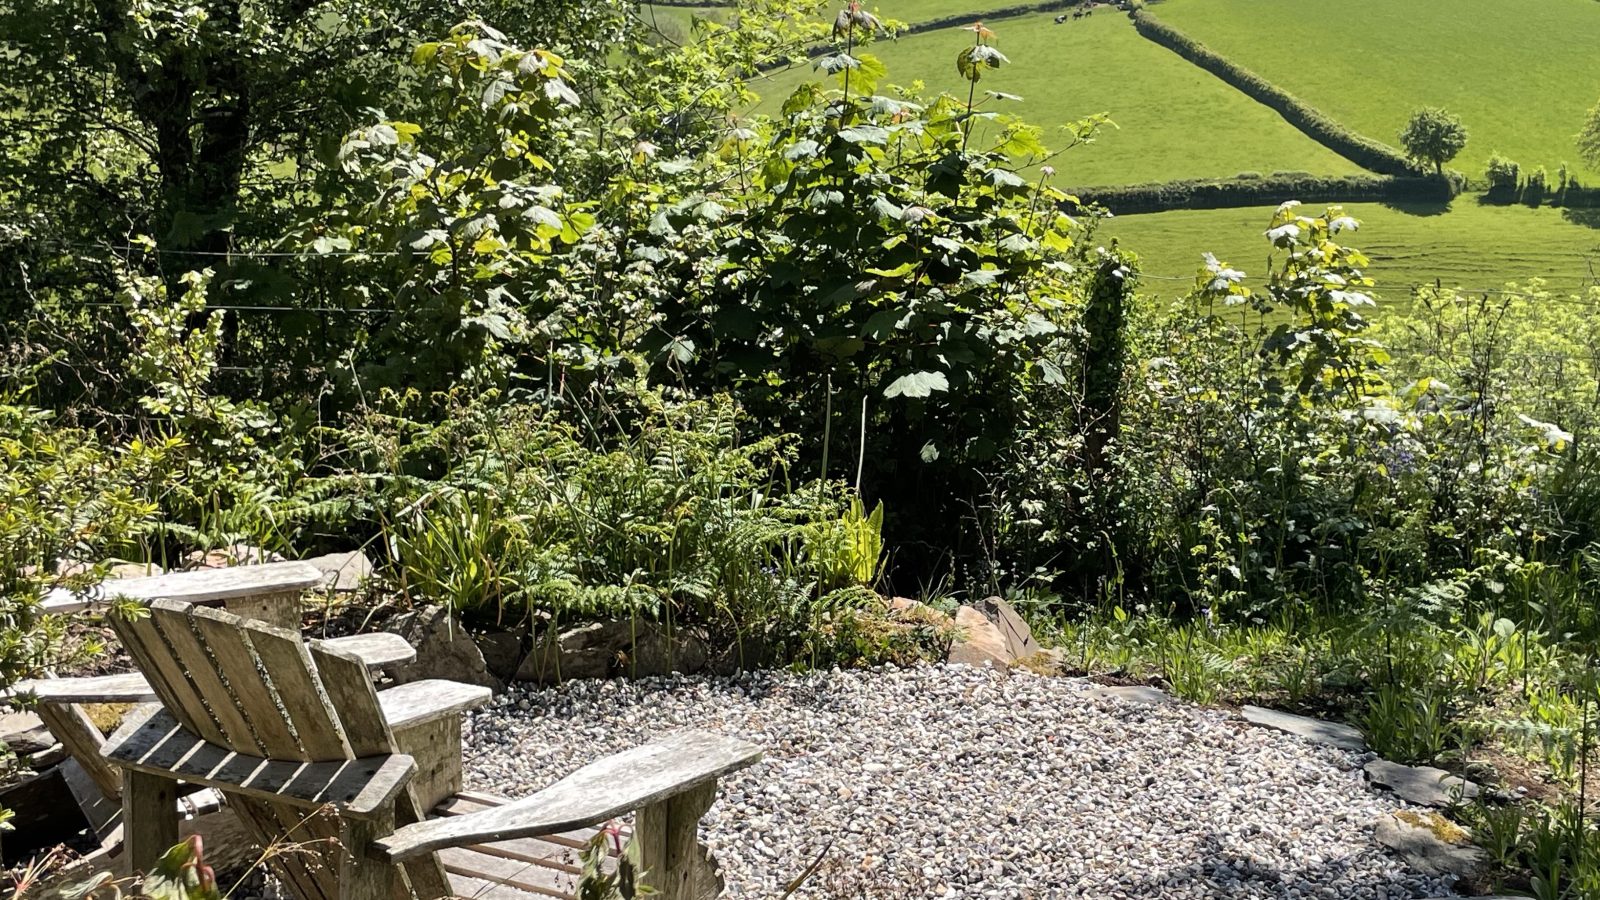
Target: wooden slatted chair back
(244, 685)
(260, 690)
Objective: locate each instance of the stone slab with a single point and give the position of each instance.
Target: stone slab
(1337, 734)
(24, 733)
(1422, 785)
(342, 572)
(1431, 844)
(1133, 693)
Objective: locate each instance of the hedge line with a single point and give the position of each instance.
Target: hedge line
(989, 15)
(1005, 12)
(1363, 151)
(1256, 190)
(1574, 197)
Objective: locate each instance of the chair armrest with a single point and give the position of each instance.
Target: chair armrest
(599, 791)
(362, 788)
(417, 702)
(129, 688)
(375, 650)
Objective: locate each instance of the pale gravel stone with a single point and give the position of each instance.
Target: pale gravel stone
(971, 785)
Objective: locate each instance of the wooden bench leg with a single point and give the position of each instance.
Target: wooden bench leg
(149, 818)
(436, 746)
(674, 862)
(74, 729)
(362, 875)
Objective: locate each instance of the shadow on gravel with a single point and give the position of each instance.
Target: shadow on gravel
(1219, 873)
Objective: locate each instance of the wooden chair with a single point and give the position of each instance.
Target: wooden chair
(299, 742)
(270, 593)
(95, 783)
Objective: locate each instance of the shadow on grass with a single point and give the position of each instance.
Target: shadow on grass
(1586, 217)
(1418, 207)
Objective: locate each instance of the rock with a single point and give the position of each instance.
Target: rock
(502, 651)
(657, 653)
(24, 733)
(444, 650)
(231, 555)
(1431, 844)
(982, 642)
(68, 568)
(45, 758)
(1422, 785)
(1134, 693)
(915, 612)
(588, 651)
(343, 573)
(1337, 734)
(115, 568)
(1051, 661)
(620, 647)
(1019, 637)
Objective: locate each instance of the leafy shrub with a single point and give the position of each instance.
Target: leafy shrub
(64, 496)
(1363, 151)
(508, 512)
(883, 284)
(1504, 177)
(1538, 184)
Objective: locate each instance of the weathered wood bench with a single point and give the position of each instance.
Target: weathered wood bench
(285, 729)
(270, 593)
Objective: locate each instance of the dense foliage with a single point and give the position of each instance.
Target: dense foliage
(563, 335)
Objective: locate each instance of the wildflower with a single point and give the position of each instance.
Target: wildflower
(614, 831)
(853, 17)
(1553, 435)
(978, 28)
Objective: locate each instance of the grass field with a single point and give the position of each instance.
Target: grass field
(1470, 245)
(676, 23)
(1520, 73)
(914, 11)
(1175, 120)
(908, 11)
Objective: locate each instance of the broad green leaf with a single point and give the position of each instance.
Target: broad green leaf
(917, 384)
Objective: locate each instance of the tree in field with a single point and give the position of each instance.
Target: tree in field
(1589, 139)
(1433, 136)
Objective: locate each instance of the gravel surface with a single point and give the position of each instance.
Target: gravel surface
(955, 782)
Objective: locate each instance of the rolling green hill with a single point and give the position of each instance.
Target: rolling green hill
(1520, 73)
(1175, 120)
